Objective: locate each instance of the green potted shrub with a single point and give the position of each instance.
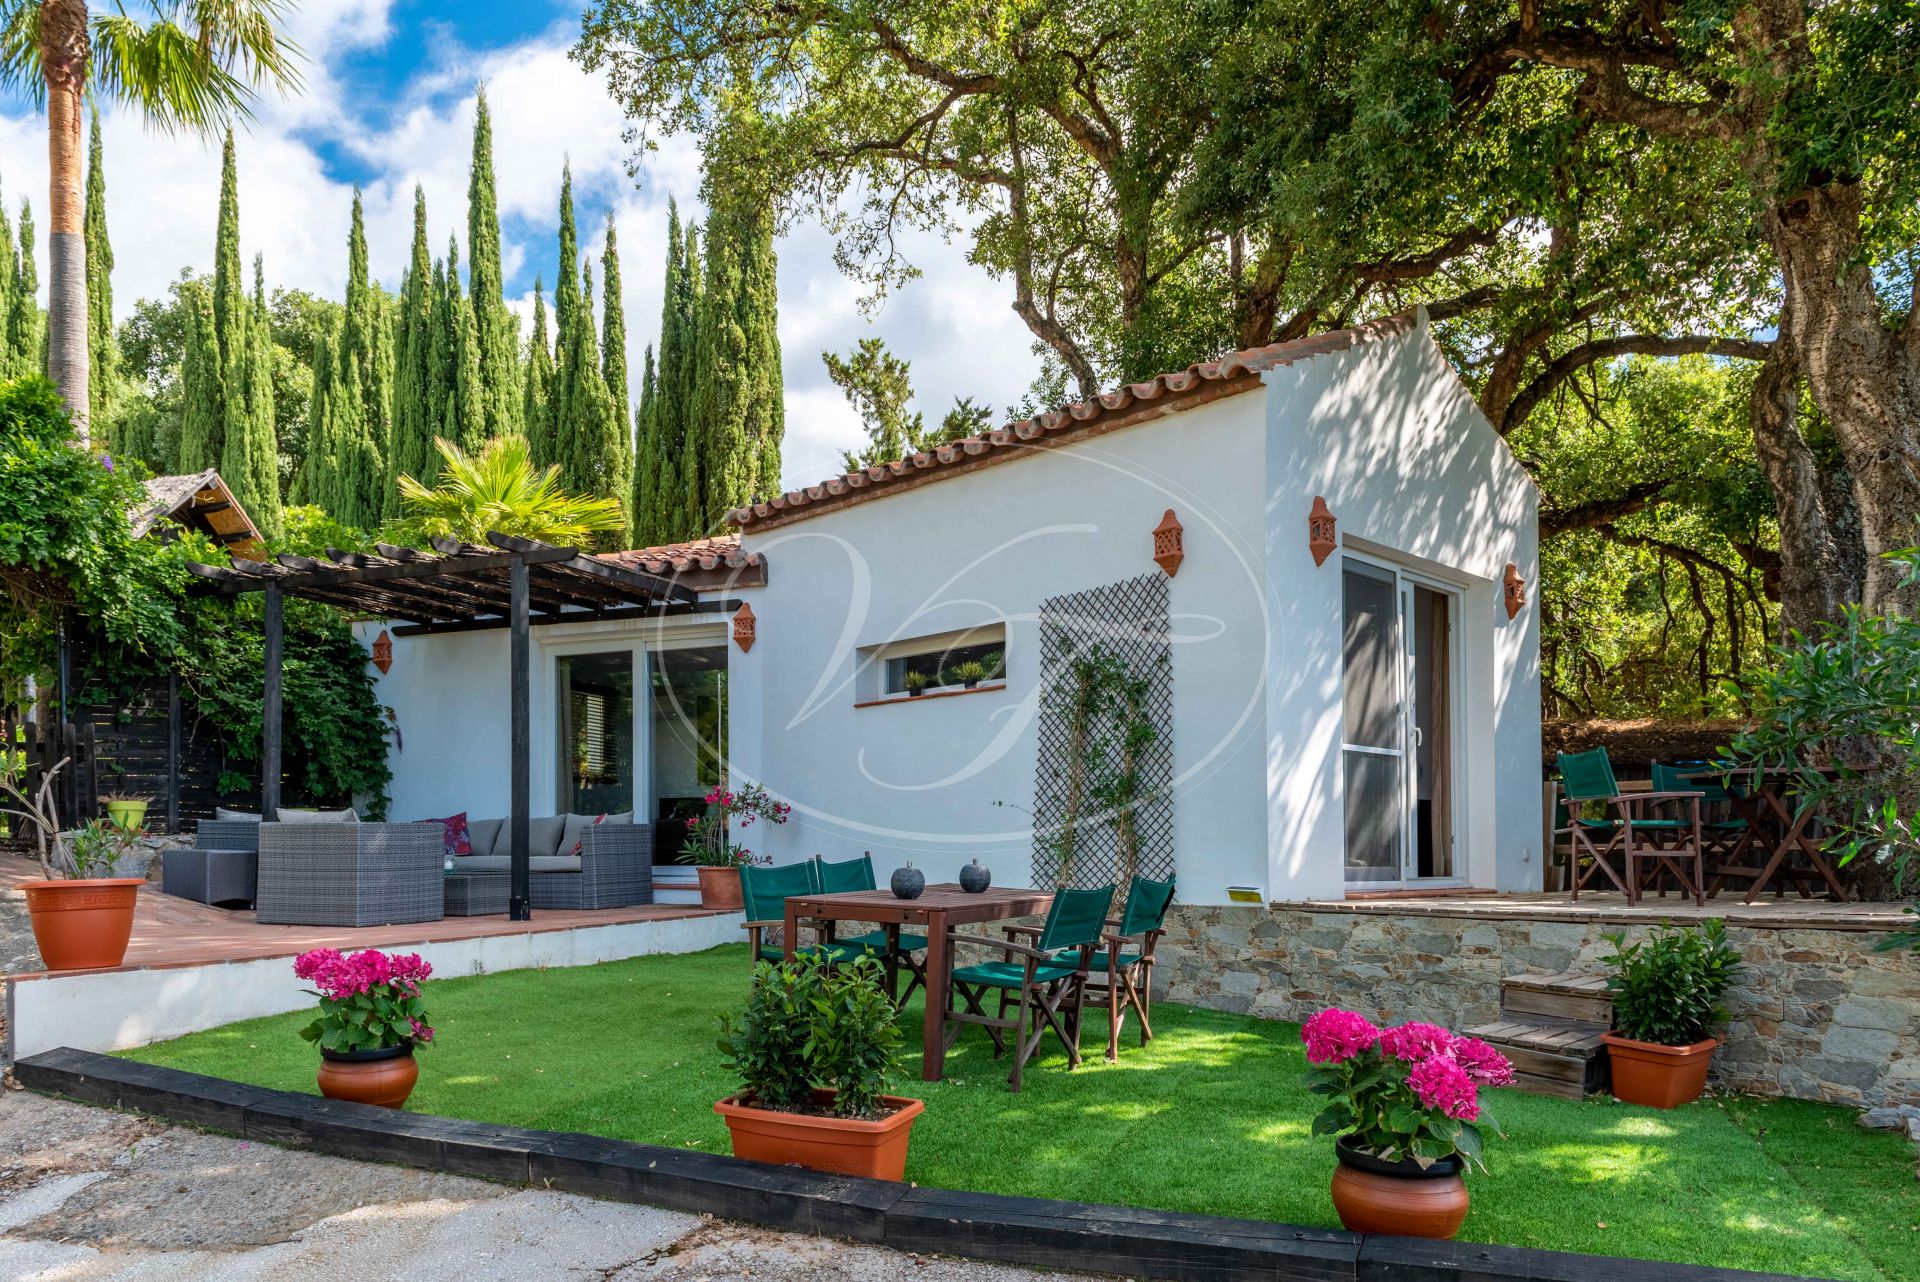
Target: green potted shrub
(1666, 1003)
(916, 683)
(82, 915)
(969, 673)
(814, 1049)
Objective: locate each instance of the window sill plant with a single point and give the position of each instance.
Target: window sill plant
(82, 915)
(1404, 1103)
(371, 1017)
(1666, 1002)
(711, 848)
(814, 1049)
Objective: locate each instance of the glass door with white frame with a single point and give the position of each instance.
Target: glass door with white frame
(594, 714)
(1397, 749)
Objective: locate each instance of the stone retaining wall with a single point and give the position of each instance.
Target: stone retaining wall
(1817, 1014)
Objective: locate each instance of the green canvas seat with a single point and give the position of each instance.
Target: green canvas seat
(1629, 833)
(764, 893)
(845, 876)
(1126, 978)
(1045, 983)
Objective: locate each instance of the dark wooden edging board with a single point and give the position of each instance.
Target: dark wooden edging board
(1038, 1232)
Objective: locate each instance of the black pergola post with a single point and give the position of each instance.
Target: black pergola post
(270, 708)
(518, 909)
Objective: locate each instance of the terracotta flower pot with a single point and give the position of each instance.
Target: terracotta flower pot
(1655, 1075)
(720, 888)
(845, 1146)
(1373, 1195)
(82, 924)
(384, 1077)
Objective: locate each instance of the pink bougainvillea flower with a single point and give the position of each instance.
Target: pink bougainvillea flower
(1482, 1063)
(1334, 1036)
(1415, 1042)
(1441, 1083)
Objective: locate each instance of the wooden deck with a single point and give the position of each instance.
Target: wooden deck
(172, 932)
(1787, 913)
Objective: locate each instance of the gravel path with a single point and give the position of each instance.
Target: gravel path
(87, 1194)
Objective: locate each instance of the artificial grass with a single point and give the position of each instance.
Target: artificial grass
(1212, 1117)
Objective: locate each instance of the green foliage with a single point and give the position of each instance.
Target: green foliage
(813, 1025)
(26, 324)
(353, 398)
(1667, 988)
(1841, 710)
(414, 427)
(738, 418)
(591, 446)
(500, 488)
(538, 376)
(103, 356)
(496, 336)
(666, 465)
(94, 848)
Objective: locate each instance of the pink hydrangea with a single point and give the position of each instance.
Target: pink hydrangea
(1485, 1065)
(1334, 1036)
(340, 976)
(1415, 1042)
(1441, 1083)
(421, 1032)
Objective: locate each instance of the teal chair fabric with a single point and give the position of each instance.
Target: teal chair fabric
(764, 892)
(1587, 776)
(848, 875)
(1076, 919)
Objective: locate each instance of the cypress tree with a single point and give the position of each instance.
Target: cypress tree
(103, 352)
(250, 459)
(414, 425)
(213, 401)
(739, 418)
(613, 325)
(588, 444)
(566, 291)
(537, 411)
(202, 422)
(358, 397)
(666, 469)
(495, 337)
(465, 414)
(25, 341)
(9, 289)
(647, 521)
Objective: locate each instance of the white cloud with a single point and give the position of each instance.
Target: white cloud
(298, 156)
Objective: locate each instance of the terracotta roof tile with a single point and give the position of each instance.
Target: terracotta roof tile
(720, 553)
(1180, 389)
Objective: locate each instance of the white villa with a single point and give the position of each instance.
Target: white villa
(1314, 566)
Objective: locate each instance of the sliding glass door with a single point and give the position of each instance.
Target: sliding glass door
(594, 711)
(687, 729)
(1397, 755)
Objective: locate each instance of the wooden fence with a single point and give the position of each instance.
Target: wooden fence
(76, 790)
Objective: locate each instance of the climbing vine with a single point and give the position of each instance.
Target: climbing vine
(1103, 704)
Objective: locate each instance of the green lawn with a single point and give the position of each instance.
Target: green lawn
(1211, 1117)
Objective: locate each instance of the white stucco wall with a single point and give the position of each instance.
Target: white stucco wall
(916, 780)
(1416, 476)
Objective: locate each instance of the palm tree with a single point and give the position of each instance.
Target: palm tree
(183, 64)
(500, 489)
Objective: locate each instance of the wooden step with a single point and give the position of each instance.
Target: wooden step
(1550, 1056)
(1569, 996)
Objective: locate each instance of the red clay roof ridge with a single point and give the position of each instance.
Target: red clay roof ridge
(883, 478)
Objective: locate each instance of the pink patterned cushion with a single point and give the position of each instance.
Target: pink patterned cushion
(457, 840)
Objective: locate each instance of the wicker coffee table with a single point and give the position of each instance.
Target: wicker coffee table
(210, 876)
(477, 894)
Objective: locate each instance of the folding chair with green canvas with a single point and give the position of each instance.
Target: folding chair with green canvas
(1048, 991)
(1125, 978)
(894, 947)
(1727, 835)
(1630, 835)
(764, 893)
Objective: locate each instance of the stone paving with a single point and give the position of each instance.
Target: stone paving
(88, 1195)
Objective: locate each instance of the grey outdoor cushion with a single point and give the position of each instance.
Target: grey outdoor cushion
(235, 816)
(481, 834)
(543, 836)
(346, 816)
(504, 863)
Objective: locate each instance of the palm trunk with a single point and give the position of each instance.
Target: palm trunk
(63, 52)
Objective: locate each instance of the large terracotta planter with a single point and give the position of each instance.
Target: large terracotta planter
(844, 1146)
(720, 888)
(1658, 1076)
(82, 924)
(384, 1077)
(1373, 1195)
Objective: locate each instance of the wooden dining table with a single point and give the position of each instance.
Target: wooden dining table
(1763, 798)
(939, 908)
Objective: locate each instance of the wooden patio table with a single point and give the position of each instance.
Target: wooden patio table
(1763, 803)
(940, 908)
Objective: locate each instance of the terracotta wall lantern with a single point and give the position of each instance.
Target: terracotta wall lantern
(1169, 543)
(1515, 591)
(744, 624)
(383, 652)
(1320, 531)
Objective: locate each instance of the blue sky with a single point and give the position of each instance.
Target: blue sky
(389, 103)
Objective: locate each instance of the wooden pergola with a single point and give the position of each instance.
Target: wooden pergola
(512, 583)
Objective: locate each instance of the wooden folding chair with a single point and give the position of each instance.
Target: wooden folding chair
(894, 947)
(764, 893)
(1126, 979)
(1049, 993)
(1630, 835)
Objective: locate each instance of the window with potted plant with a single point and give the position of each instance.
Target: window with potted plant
(371, 1017)
(970, 673)
(82, 915)
(1405, 1105)
(710, 845)
(814, 1049)
(1666, 1003)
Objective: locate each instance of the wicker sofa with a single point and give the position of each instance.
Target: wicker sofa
(349, 874)
(613, 869)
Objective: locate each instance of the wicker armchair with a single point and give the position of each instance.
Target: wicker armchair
(350, 874)
(616, 871)
(227, 834)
